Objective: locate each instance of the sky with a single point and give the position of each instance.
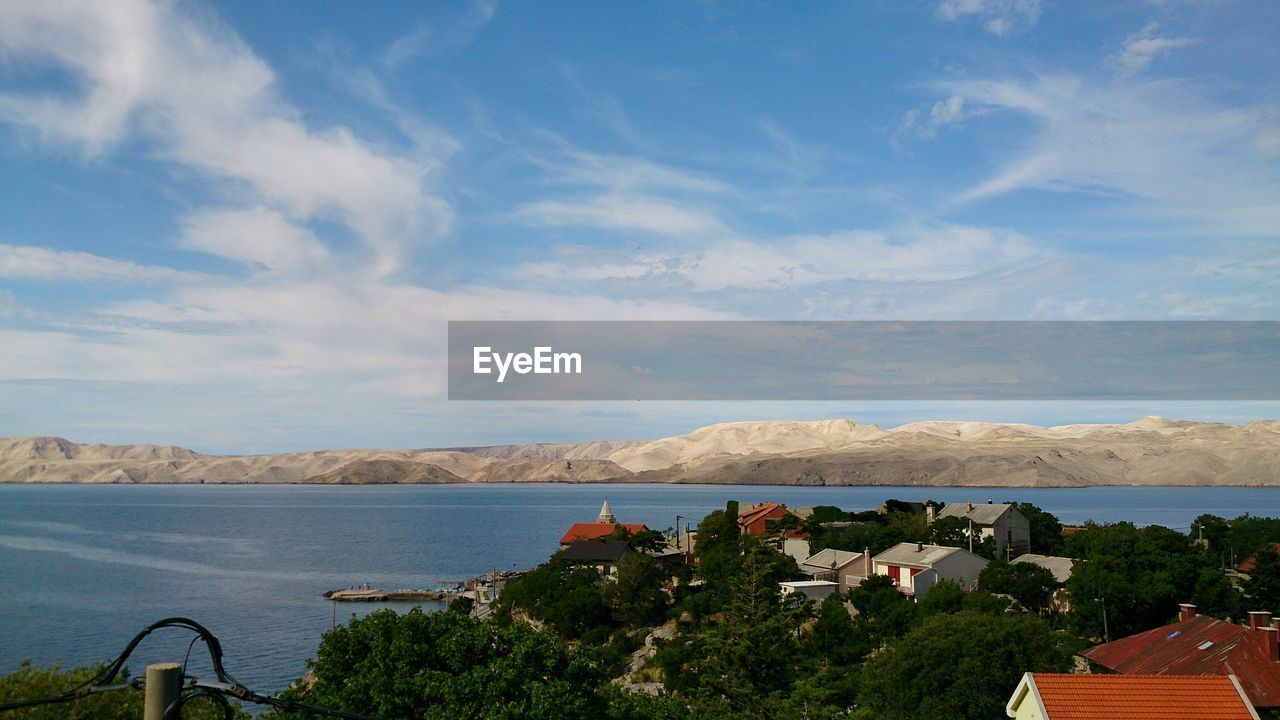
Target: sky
(243, 226)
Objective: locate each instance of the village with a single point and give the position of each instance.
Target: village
(1194, 666)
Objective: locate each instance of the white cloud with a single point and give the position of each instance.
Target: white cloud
(259, 238)
(947, 111)
(208, 103)
(1144, 46)
(26, 262)
(918, 254)
(624, 212)
(1000, 17)
(449, 38)
(1167, 143)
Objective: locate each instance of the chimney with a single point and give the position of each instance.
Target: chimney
(930, 512)
(866, 562)
(1186, 611)
(1259, 619)
(919, 547)
(1270, 645)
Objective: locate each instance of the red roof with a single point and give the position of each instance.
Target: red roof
(597, 531)
(1252, 561)
(1137, 697)
(1180, 649)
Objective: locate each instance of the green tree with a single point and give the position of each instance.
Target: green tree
(447, 665)
(735, 666)
(636, 595)
(1031, 585)
(883, 612)
(1214, 531)
(566, 597)
(950, 531)
(943, 598)
(1139, 575)
(960, 666)
(29, 683)
(1263, 585)
(835, 638)
(1046, 530)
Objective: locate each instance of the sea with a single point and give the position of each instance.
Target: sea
(85, 567)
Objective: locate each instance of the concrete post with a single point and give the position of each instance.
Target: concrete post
(163, 686)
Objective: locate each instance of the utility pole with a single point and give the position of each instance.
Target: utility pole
(678, 519)
(163, 686)
(1106, 632)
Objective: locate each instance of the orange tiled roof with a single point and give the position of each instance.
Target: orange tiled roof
(1140, 697)
(758, 512)
(596, 531)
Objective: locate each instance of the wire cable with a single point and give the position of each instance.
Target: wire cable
(225, 686)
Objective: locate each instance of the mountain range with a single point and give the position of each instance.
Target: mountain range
(1150, 451)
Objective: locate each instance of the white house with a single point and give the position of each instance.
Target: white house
(840, 566)
(815, 589)
(916, 567)
(1001, 522)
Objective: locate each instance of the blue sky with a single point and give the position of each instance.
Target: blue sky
(242, 226)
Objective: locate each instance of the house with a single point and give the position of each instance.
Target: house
(916, 567)
(604, 526)
(1048, 696)
(1201, 645)
(845, 568)
(814, 589)
(603, 555)
(796, 548)
(759, 520)
(1001, 522)
(1059, 566)
(1251, 562)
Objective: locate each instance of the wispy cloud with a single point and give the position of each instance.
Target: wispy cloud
(999, 17)
(914, 254)
(1167, 143)
(1144, 46)
(427, 39)
(27, 262)
(630, 212)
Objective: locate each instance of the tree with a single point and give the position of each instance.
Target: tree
(1263, 585)
(636, 595)
(568, 598)
(835, 638)
(752, 654)
(960, 666)
(950, 531)
(1046, 530)
(883, 612)
(29, 683)
(1031, 585)
(1137, 575)
(447, 665)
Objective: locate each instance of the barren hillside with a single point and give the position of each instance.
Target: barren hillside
(1150, 451)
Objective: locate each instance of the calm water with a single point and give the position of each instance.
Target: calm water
(82, 568)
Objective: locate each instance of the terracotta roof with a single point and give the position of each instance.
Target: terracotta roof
(597, 531)
(1252, 561)
(1199, 646)
(758, 512)
(1133, 697)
